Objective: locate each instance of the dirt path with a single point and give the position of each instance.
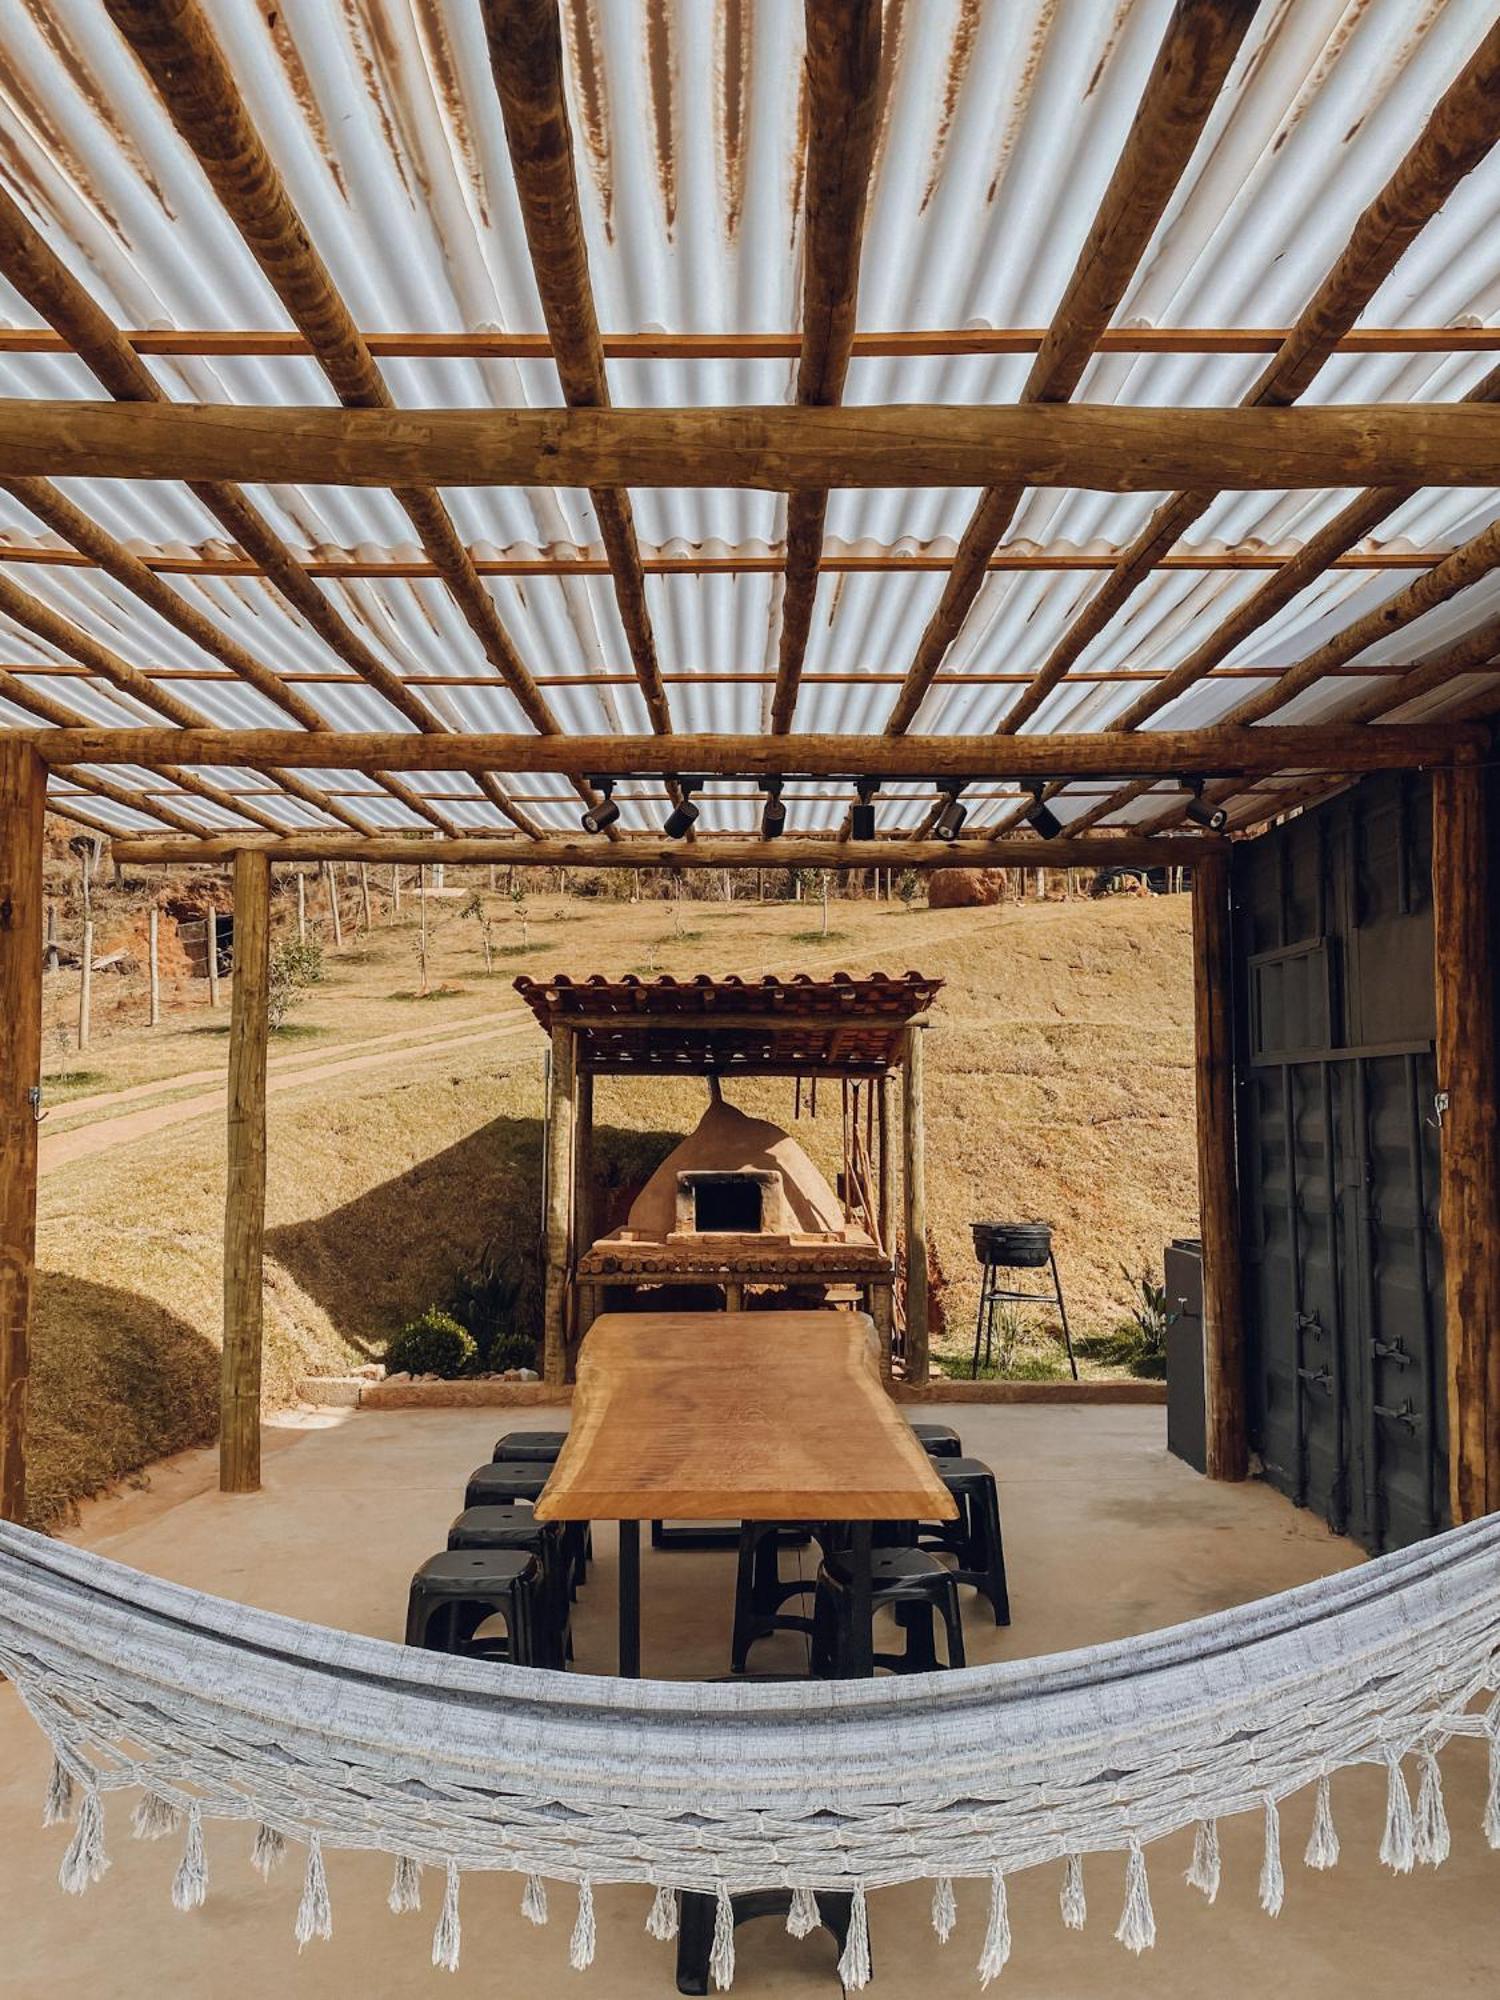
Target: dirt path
(100, 1134)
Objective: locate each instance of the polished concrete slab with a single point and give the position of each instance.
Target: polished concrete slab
(1106, 1535)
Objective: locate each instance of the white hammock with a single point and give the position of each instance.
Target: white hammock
(212, 1710)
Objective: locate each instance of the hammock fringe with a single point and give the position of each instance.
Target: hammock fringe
(661, 1921)
(854, 1962)
(1272, 1879)
(721, 1954)
(57, 1807)
(1136, 1929)
(534, 1900)
(154, 1818)
(406, 1887)
(85, 1861)
(269, 1850)
(1398, 1843)
(448, 1936)
(944, 1908)
(1432, 1841)
(585, 1934)
(190, 1884)
(1073, 1903)
(1323, 1841)
(314, 1912)
(1205, 1869)
(992, 1959)
(804, 1917)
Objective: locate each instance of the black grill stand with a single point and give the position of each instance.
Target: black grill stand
(993, 1293)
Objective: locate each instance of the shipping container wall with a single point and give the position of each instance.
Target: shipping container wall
(1338, 1143)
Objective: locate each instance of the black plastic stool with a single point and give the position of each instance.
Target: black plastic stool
(505, 1480)
(453, 1594)
(531, 1447)
(974, 1538)
(695, 1926)
(938, 1440)
(516, 1527)
(908, 1580)
(760, 1590)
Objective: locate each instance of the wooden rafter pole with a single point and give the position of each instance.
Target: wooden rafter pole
(914, 1205)
(1164, 752)
(179, 51)
(1218, 1180)
(526, 57)
(41, 277)
(842, 71)
(1197, 50)
(1107, 448)
(642, 851)
(1457, 136)
(1464, 937)
(245, 1189)
(23, 788)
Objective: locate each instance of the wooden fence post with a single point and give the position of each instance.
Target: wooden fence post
(1218, 1199)
(915, 1188)
(559, 1204)
(245, 1192)
(1469, 1191)
(153, 953)
(23, 795)
(331, 881)
(211, 940)
(364, 895)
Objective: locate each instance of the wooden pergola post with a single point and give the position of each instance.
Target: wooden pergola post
(886, 1164)
(245, 1192)
(1218, 1204)
(914, 1187)
(1469, 1195)
(559, 1203)
(583, 1188)
(23, 794)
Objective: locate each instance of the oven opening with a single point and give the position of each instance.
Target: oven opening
(726, 1204)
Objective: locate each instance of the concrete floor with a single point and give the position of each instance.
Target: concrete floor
(1105, 1536)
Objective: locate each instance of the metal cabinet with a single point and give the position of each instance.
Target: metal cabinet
(1339, 1161)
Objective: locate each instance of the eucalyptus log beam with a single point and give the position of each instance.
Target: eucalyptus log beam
(526, 57)
(914, 1205)
(1218, 1179)
(1103, 447)
(245, 1190)
(1216, 752)
(23, 798)
(1469, 1194)
(556, 1232)
(644, 851)
(842, 72)
(1197, 50)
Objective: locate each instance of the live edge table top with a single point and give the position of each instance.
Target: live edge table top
(745, 1416)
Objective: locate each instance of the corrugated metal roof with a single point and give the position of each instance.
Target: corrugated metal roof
(1000, 126)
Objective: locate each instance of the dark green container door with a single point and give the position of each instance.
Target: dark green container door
(1339, 1161)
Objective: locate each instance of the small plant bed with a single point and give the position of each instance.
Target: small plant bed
(72, 1082)
(820, 937)
(518, 950)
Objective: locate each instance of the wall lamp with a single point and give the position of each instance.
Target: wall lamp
(773, 812)
(1039, 816)
(949, 822)
(605, 812)
(1213, 818)
(684, 815)
(862, 816)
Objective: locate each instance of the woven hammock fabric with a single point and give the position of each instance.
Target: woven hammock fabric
(213, 1710)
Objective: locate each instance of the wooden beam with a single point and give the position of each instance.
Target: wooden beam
(526, 58)
(1469, 1195)
(1218, 1179)
(1113, 448)
(279, 343)
(647, 851)
(351, 566)
(555, 1222)
(23, 788)
(1163, 752)
(1456, 137)
(914, 1200)
(245, 1190)
(841, 69)
(1197, 50)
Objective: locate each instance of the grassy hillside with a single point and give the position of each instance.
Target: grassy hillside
(404, 1133)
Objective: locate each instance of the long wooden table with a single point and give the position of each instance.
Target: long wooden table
(746, 1416)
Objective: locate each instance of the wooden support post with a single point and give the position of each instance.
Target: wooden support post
(364, 894)
(153, 952)
(559, 1201)
(301, 906)
(1469, 1196)
(1218, 1202)
(331, 883)
(915, 1188)
(211, 942)
(86, 984)
(886, 1163)
(582, 1233)
(23, 795)
(245, 1194)
(396, 890)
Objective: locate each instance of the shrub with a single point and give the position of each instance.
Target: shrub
(434, 1344)
(296, 964)
(512, 1350)
(499, 1305)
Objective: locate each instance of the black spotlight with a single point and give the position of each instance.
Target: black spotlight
(606, 812)
(862, 816)
(773, 812)
(1213, 818)
(1039, 816)
(949, 821)
(682, 816)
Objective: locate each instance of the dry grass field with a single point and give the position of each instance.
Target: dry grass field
(404, 1131)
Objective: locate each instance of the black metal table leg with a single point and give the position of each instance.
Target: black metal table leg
(861, 1657)
(630, 1600)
